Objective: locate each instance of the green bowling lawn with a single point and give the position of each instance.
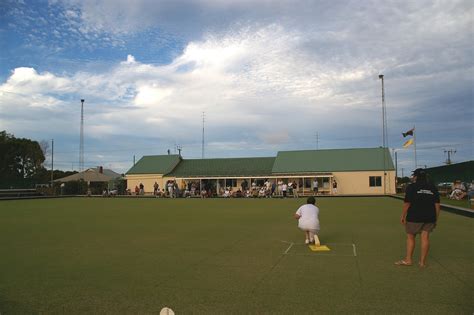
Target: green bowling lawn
(135, 256)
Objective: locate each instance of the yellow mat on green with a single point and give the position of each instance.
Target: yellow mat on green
(320, 248)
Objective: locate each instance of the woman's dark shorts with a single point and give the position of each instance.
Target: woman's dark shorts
(417, 227)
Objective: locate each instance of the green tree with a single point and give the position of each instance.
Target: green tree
(20, 160)
(7, 156)
(29, 157)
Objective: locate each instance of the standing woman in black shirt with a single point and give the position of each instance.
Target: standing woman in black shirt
(420, 214)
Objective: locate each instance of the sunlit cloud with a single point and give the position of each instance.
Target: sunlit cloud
(267, 76)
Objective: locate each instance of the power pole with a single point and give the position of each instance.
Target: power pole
(52, 164)
(448, 161)
(203, 119)
(81, 144)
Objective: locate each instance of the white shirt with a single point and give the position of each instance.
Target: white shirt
(284, 187)
(309, 217)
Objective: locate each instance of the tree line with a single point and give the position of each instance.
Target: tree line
(22, 163)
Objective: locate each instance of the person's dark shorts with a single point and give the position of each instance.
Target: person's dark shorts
(417, 227)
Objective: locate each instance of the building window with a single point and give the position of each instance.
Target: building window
(375, 181)
(307, 183)
(325, 182)
(259, 182)
(231, 182)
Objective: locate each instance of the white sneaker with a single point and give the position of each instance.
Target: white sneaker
(306, 241)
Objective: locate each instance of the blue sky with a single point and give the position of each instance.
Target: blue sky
(269, 75)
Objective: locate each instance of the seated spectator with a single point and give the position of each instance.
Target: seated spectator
(187, 193)
(203, 193)
(237, 194)
(227, 192)
(254, 185)
(261, 192)
(268, 193)
(459, 191)
(470, 191)
(255, 193)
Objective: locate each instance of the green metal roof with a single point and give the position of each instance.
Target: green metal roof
(335, 160)
(155, 164)
(463, 171)
(286, 162)
(229, 167)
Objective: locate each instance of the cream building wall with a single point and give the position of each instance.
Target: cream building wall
(357, 183)
(148, 180)
(349, 183)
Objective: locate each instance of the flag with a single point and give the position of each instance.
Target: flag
(408, 143)
(408, 133)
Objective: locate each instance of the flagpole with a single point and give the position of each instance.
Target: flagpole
(414, 140)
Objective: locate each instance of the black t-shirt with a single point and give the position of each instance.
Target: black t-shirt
(422, 198)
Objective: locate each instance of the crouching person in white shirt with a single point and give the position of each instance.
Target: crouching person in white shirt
(308, 221)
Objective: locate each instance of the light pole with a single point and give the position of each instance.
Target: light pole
(52, 165)
(81, 144)
(202, 148)
(384, 136)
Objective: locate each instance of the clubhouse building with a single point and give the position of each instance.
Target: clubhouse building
(367, 171)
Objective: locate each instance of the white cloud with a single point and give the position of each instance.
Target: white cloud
(242, 76)
(71, 14)
(254, 67)
(151, 95)
(130, 59)
(27, 80)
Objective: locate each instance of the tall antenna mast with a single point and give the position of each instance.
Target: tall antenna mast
(384, 115)
(384, 135)
(203, 116)
(81, 144)
(52, 164)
